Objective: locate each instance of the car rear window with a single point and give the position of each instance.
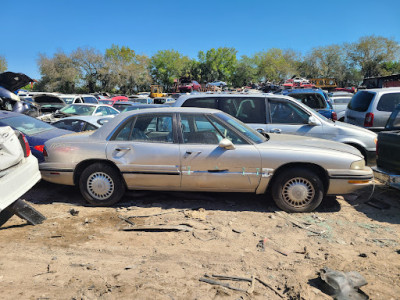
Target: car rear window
(90, 99)
(388, 102)
(313, 100)
(361, 101)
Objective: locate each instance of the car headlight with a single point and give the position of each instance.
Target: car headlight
(358, 165)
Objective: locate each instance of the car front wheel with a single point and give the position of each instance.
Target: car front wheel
(101, 185)
(297, 190)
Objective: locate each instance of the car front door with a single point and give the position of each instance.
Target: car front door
(207, 167)
(287, 117)
(146, 151)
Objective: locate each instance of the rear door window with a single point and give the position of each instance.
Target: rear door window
(388, 102)
(246, 109)
(313, 100)
(201, 102)
(361, 101)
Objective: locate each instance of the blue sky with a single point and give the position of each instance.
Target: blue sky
(44, 26)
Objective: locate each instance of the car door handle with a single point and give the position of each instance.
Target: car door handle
(122, 149)
(189, 152)
(276, 130)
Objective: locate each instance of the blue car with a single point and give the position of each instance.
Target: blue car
(314, 98)
(37, 132)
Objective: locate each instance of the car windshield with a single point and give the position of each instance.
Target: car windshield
(253, 135)
(27, 125)
(76, 109)
(68, 100)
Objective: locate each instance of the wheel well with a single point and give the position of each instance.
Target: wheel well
(84, 164)
(321, 172)
(361, 149)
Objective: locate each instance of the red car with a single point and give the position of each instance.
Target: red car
(120, 98)
(190, 86)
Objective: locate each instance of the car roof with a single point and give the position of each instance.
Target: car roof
(303, 91)
(383, 90)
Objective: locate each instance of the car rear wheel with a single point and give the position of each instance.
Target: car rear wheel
(297, 190)
(101, 185)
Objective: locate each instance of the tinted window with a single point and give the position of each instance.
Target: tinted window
(120, 107)
(313, 100)
(247, 110)
(90, 127)
(388, 102)
(361, 101)
(89, 99)
(200, 102)
(287, 113)
(70, 124)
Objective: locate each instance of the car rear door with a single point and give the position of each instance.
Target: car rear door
(146, 151)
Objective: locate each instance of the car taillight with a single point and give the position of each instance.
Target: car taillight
(369, 120)
(27, 149)
(334, 116)
(39, 148)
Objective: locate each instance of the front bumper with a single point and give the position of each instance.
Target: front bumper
(345, 183)
(386, 177)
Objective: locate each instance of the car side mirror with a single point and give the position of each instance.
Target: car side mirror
(313, 121)
(262, 131)
(226, 144)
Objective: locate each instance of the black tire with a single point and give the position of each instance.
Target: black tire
(101, 185)
(5, 215)
(297, 190)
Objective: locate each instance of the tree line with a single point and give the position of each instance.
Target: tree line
(121, 70)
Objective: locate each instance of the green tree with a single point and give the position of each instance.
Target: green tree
(218, 64)
(89, 62)
(58, 73)
(246, 71)
(276, 65)
(3, 63)
(125, 70)
(370, 52)
(167, 65)
(390, 67)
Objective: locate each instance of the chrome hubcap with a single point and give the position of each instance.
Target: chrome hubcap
(298, 192)
(100, 185)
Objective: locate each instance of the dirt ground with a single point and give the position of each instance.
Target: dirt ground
(83, 252)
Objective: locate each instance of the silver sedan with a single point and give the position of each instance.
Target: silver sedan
(196, 149)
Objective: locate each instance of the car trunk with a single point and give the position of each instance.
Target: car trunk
(10, 149)
(358, 108)
(49, 103)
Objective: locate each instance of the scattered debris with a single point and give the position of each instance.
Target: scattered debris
(159, 228)
(238, 231)
(270, 287)
(160, 214)
(299, 223)
(363, 255)
(73, 212)
(250, 290)
(214, 282)
(127, 220)
(262, 243)
(47, 272)
(342, 285)
(56, 236)
(202, 237)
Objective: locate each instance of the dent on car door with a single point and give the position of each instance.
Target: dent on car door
(287, 117)
(146, 152)
(206, 166)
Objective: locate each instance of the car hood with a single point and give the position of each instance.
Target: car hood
(14, 81)
(306, 144)
(41, 99)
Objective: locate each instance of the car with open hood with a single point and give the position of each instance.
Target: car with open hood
(193, 149)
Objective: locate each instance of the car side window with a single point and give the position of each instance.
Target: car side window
(287, 113)
(101, 110)
(110, 111)
(246, 109)
(198, 129)
(90, 127)
(388, 102)
(201, 102)
(153, 129)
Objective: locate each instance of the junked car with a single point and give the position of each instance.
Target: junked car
(82, 109)
(19, 172)
(372, 108)
(82, 123)
(192, 149)
(36, 131)
(283, 114)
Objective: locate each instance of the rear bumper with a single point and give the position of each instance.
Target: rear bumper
(18, 181)
(58, 176)
(386, 177)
